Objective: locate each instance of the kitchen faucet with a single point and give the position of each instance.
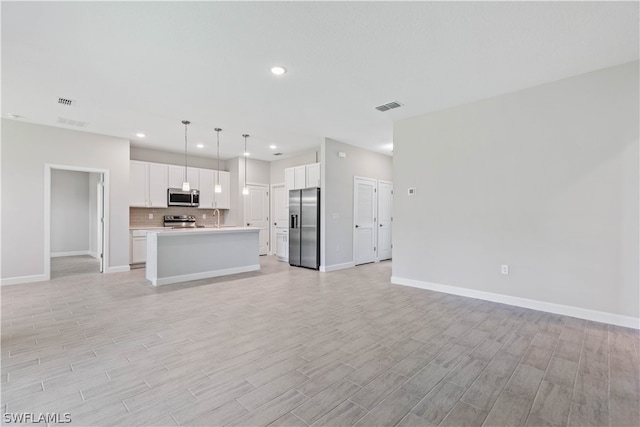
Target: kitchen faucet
(216, 213)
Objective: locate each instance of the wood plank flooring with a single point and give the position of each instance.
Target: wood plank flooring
(294, 347)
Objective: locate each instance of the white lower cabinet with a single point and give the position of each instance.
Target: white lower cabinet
(138, 247)
(282, 244)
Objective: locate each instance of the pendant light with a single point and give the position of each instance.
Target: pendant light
(218, 187)
(245, 189)
(185, 183)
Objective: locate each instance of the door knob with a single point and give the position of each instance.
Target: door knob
(357, 225)
(380, 225)
(248, 224)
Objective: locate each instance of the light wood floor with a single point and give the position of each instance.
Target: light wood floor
(289, 346)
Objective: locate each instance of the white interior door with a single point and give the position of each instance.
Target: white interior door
(364, 220)
(385, 213)
(256, 213)
(279, 211)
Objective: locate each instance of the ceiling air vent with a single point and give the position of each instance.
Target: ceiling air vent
(388, 106)
(277, 154)
(66, 101)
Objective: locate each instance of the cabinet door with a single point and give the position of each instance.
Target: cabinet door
(138, 250)
(282, 247)
(313, 175)
(176, 176)
(207, 180)
(158, 184)
(223, 199)
(289, 180)
(300, 177)
(193, 176)
(138, 184)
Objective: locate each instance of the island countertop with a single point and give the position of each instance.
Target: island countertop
(201, 230)
(182, 254)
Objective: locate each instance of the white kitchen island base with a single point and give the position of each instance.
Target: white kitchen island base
(181, 255)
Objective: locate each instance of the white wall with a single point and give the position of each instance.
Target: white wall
(337, 196)
(171, 158)
(70, 213)
(544, 180)
(26, 148)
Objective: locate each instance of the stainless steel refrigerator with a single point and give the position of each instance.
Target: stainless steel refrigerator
(304, 228)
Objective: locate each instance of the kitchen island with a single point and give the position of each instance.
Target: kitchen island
(180, 255)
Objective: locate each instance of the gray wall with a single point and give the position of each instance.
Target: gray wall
(26, 148)
(337, 195)
(278, 166)
(70, 212)
(170, 158)
(544, 180)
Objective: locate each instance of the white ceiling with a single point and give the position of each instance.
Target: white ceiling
(145, 66)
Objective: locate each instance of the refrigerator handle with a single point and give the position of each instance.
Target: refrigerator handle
(294, 221)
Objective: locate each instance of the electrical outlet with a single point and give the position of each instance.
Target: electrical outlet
(204, 216)
(150, 216)
(337, 248)
(411, 191)
(505, 269)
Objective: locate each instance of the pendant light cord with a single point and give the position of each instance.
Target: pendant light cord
(186, 123)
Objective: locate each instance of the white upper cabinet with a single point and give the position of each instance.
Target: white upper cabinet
(147, 184)
(138, 183)
(299, 177)
(176, 177)
(209, 199)
(223, 200)
(207, 182)
(158, 184)
(313, 175)
(302, 177)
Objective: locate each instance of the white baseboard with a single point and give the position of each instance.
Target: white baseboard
(336, 267)
(566, 310)
(203, 275)
(23, 279)
(117, 269)
(93, 254)
(71, 253)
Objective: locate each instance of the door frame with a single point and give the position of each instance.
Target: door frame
(382, 181)
(375, 213)
(272, 212)
(48, 167)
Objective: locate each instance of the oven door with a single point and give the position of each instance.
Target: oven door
(176, 197)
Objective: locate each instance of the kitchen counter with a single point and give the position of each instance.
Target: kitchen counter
(180, 255)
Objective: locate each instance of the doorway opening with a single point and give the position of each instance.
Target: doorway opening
(75, 220)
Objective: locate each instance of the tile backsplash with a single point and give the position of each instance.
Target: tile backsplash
(139, 217)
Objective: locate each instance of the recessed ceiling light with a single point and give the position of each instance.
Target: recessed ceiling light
(200, 145)
(246, 153)
(278, 70)
(140, 135)
(273, 147)
(14, 116)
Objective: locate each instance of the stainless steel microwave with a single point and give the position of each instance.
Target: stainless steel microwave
(178, 197)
